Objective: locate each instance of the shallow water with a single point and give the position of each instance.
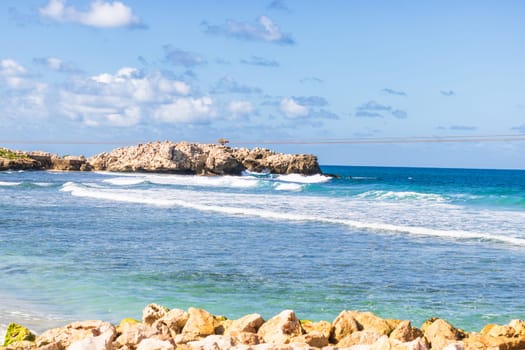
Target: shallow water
(400, 242)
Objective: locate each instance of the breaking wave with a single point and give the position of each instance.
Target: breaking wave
(245, 207)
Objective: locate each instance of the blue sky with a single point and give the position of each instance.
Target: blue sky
(283, 70)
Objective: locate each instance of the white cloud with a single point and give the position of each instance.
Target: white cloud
(120, 99)
(186, 110)
(292, 108)
(240, 108)
(100, 14)
(133, 83)
(22, 96)
(13, 73)
(9, 67)
(265, 30)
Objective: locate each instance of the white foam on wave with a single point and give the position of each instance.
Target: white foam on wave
(302, 179)
(125, 181)
(205, 202)
(9, 183)
(43, 184)
(401, 195)
(288, 187)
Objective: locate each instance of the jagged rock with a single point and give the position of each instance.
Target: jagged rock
(102, 341)
(155, 344)
(244, 330)
(519, 327)
(218, 342)
(343, 325)
(359, 338)
(200, 324)
(313, 338)
(416, 344)
(172, 323)
(483, 341)
(249, 323)
(323, 327)
(281, 328)
(73, 332)
(153, 312)
(201, 159)
(370, 322)
(455, 346)
(404, 332)
(19, 164)
(131, 334)
(439, 333)
(494, 330)
(68, 163)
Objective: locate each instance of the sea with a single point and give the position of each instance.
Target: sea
(403, 243)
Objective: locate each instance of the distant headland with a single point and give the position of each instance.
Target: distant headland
(168, 157)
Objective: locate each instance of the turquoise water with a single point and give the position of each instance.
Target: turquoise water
(400, 242)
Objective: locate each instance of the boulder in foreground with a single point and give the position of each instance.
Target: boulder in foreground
(197, 329)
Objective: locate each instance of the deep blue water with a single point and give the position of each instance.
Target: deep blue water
(401, 242)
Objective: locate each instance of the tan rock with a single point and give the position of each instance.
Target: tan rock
(495, 330)
(382, 343)
(155, 344)
(323, 327)
(249, 323)
(74, 332)
(359, 338)
(440, 333)
(100, 342)
(371, 322)
(20, 345)
(200, 324)
(416, 344)
(152, 313)
(455, 346)
(131, 334)
(281, 328)
(217, 342)
(477, 341)
(404, 332)
(313, 338)
(172, 323)
(519, 327)
(201, 159)
(247, 338)
(344, 325)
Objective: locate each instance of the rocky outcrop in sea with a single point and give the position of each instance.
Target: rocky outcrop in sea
(169, 157)
(197, 329)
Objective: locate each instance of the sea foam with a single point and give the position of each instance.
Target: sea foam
(8, 183)
(288, 208)
(297, 178)
(401, 195)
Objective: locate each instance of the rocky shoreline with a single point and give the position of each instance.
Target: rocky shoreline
(168, 157)
(197, 329)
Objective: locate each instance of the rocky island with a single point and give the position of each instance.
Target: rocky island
(168, 157)
(196, 329)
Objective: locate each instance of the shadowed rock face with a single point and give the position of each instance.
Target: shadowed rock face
(202, 159)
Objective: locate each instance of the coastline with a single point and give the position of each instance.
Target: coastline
(168, 157)
(162, 328)
(236, 230)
